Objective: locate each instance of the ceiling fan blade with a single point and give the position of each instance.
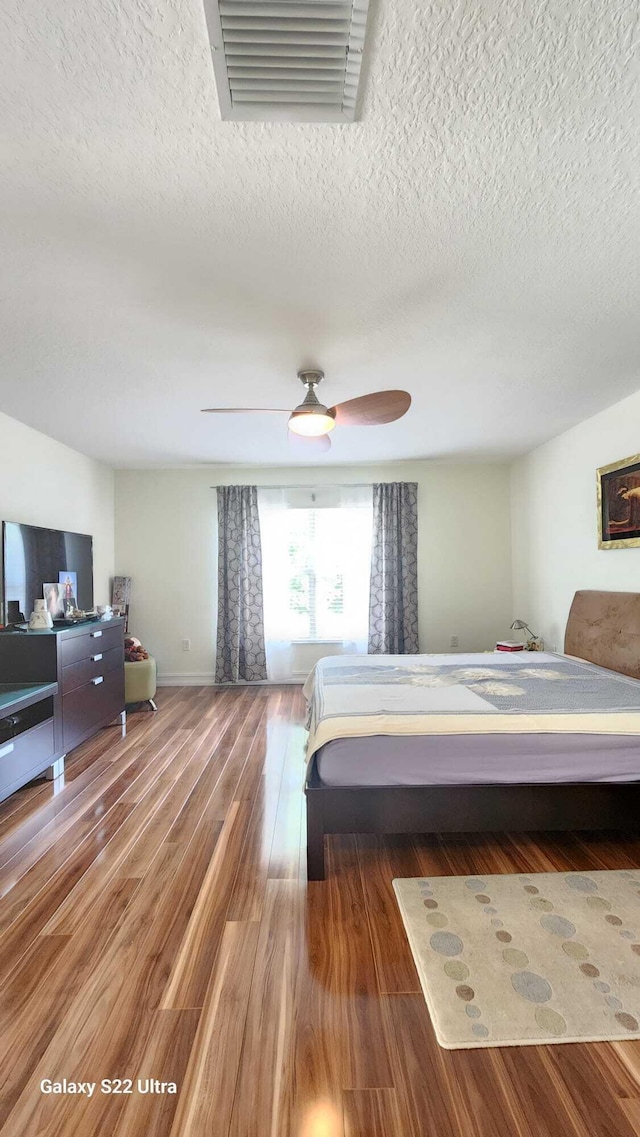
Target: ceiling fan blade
(372, 410)
(245, 411)
(307, 447)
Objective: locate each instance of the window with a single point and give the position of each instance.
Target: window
(316, 565)
(318, 543)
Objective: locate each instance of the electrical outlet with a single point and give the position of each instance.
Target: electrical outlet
(186, 645)
(454, 641)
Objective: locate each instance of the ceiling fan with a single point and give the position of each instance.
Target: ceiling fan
(312, 421)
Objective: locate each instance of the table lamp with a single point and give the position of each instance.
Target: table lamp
(532, 638)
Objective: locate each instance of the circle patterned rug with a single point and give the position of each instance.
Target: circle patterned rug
(527, 959)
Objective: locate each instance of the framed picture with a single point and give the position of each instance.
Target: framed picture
(121, 598)
(69, 606)
(54, 599)
(619, 504)
(69, 582)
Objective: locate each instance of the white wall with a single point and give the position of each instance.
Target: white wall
(45, 483)
(554, 520)
(166, 538)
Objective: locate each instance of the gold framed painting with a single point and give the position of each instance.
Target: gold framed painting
(619, 504)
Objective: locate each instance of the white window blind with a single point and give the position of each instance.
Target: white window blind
(316, 562)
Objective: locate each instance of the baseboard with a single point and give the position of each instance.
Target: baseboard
(207, 679)
(187, 679)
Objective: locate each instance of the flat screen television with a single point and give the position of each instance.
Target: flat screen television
(33, 557)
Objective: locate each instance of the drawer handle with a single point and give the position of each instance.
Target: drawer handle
(95, 635)
(98, 679)
(6, 750)
(95, 658)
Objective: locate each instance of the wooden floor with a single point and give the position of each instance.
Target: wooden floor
(156, 924)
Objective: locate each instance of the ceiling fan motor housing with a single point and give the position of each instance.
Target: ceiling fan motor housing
(311, 417)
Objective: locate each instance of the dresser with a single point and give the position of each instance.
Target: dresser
(85, 666)
(90, 674)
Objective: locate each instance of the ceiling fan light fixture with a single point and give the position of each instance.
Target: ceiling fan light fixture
(311, 422)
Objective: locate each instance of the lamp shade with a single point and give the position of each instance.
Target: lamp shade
(311, 421)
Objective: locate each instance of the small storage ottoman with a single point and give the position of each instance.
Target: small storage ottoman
(140, 682)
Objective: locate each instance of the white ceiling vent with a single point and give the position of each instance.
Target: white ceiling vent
(290, 61)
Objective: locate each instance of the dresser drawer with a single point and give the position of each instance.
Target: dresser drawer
(99, 663)
(97, 638)
(26, 754)
(89, 706)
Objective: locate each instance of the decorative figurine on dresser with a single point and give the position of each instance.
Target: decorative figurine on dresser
(40, 619)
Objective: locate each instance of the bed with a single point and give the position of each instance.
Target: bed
(470, 743)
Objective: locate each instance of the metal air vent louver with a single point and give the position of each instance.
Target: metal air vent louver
(290, 61)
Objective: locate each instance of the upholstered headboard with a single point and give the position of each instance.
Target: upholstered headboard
(604, 627)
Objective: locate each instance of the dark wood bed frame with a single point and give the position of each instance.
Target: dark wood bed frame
(604, 628)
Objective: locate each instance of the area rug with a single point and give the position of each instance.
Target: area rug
(527, 960)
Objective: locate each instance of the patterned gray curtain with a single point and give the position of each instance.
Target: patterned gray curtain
(240, 653)
(393, 595)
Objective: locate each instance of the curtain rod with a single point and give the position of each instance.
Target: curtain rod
(308, 486)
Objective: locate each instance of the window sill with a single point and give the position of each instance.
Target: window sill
(318, 642)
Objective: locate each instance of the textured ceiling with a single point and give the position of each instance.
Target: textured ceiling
(475, 237)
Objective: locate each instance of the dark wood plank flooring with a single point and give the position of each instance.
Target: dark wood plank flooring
(155, 923)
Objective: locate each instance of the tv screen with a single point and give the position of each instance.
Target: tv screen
(33, 557)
